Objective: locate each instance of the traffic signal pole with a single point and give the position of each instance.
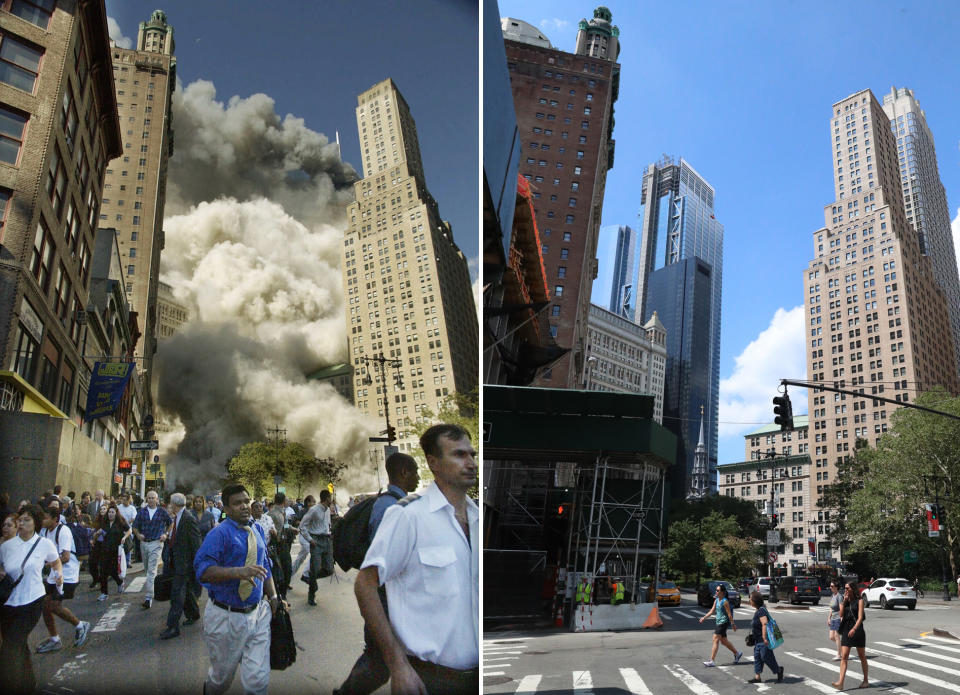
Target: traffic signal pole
(935, 480)
(819, 386)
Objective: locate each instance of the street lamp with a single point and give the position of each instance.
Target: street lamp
(280, 439)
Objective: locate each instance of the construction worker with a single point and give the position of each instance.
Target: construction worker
(616, 592)
(584, 590)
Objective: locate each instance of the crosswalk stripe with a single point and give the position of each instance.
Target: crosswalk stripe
(494, 673)
(136, 585)
(666, 616)
(907, 659)
(634, 682)
(491, 651)
(939, 639)
(836, 669)
(686, 615)
(913, 648)
(499, 658)
(111, 619)
(934, 645)
(903, 672)
(504, 641)
(685, 677)
(528, 684)
(730, 671)
(583, 682)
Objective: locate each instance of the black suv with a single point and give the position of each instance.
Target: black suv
(797, 589)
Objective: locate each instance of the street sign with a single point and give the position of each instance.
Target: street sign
(140, 445)
(277, 479)
(773, 537)
(377, 439)
(772, 557)
(911, 556)
(156, 459)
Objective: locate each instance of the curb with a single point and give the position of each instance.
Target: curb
(944, 633)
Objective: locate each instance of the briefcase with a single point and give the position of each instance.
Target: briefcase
(283, 647)
(162, 586)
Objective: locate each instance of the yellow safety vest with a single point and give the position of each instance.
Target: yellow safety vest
(584, 590)
(617, 595)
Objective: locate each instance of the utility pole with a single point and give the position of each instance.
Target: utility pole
(280, 440)
(380, 364)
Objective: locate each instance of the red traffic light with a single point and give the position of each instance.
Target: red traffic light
(560, 510)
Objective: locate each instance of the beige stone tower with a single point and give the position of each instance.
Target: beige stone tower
(135, 189)
(406, 283)
(876, 319)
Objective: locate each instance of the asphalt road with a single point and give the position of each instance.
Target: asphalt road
(125, 655)
(904, 656)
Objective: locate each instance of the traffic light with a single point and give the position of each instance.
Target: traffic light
(943, 515)
(330, 488)
(773, 521)
(391, 433)
(783, 410)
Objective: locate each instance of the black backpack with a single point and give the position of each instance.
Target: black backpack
(351, 536)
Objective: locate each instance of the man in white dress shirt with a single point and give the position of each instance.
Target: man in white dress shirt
(426, 552)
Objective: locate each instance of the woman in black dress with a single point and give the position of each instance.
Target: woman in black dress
(851, 633)
(115, 531)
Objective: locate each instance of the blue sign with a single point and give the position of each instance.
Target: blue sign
(107, 384)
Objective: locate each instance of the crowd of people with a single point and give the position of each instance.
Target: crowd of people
(421, 548)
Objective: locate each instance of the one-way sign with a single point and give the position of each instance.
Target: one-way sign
(144, 444)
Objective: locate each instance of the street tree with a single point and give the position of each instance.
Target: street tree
(886, 488)
(254, 466)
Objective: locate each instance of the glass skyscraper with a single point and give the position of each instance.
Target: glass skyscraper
(678, 200)
(622, 290)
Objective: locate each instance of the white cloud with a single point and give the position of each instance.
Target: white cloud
(746, 396)
(554, 24)
(117, 34)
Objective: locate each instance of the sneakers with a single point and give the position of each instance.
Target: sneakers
(83, 631)
(147, 603)
(49, 645)
(709, 662)
(102, 597)
(737, 657)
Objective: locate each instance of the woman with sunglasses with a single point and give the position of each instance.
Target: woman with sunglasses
(851, 633)
(721, 606)
(833, 618)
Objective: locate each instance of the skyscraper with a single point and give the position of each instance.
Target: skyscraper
(134, 192)
(924, 198)
(876, 319)
(686, 292)
(406, 283)
(622, 289)
(564, 105)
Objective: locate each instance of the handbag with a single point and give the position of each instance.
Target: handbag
(283, 646)
(162, 587)
(774, 636)
(750, 640)
(7, 585)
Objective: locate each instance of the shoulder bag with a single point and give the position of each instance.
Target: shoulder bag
(7, 585)
(774, 636)
(283, 646)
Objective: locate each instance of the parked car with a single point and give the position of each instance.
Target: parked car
(707, 592)
(667, 594)
(799, 588)
(765, 585)
(890, 592)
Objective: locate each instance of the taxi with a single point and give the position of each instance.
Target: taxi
(667, 594)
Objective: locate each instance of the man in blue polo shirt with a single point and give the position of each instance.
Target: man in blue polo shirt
(232, 564)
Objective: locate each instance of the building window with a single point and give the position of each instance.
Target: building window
(569, 219)
(12, 125)
(555, 310)
(579, 156)
(131, 270)
(564, 253)
(567, 236)
(562, 271)
(19, 63)
(136, 219)
(5, 195)
(558, 291)
(553, 331)
(133, 253)
(25, 353)
(42, 257)
(34, 11)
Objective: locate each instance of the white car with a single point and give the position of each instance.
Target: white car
(761, 584)
(890, 592)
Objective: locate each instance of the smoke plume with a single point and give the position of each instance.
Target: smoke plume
(255, 219)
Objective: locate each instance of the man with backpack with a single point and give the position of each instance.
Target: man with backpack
(370, 671)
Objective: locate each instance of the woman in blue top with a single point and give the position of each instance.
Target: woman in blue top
(762, 654)
(721, 606)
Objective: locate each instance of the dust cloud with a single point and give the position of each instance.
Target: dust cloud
(254, 221)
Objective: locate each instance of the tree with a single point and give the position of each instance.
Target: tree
(254, 466)
(682, 553)
(456, 408)
(888, 486)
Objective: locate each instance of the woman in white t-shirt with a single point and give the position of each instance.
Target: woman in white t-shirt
(20, 614)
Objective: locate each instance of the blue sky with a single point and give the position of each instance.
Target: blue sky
(313, 58)
(743, 91)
